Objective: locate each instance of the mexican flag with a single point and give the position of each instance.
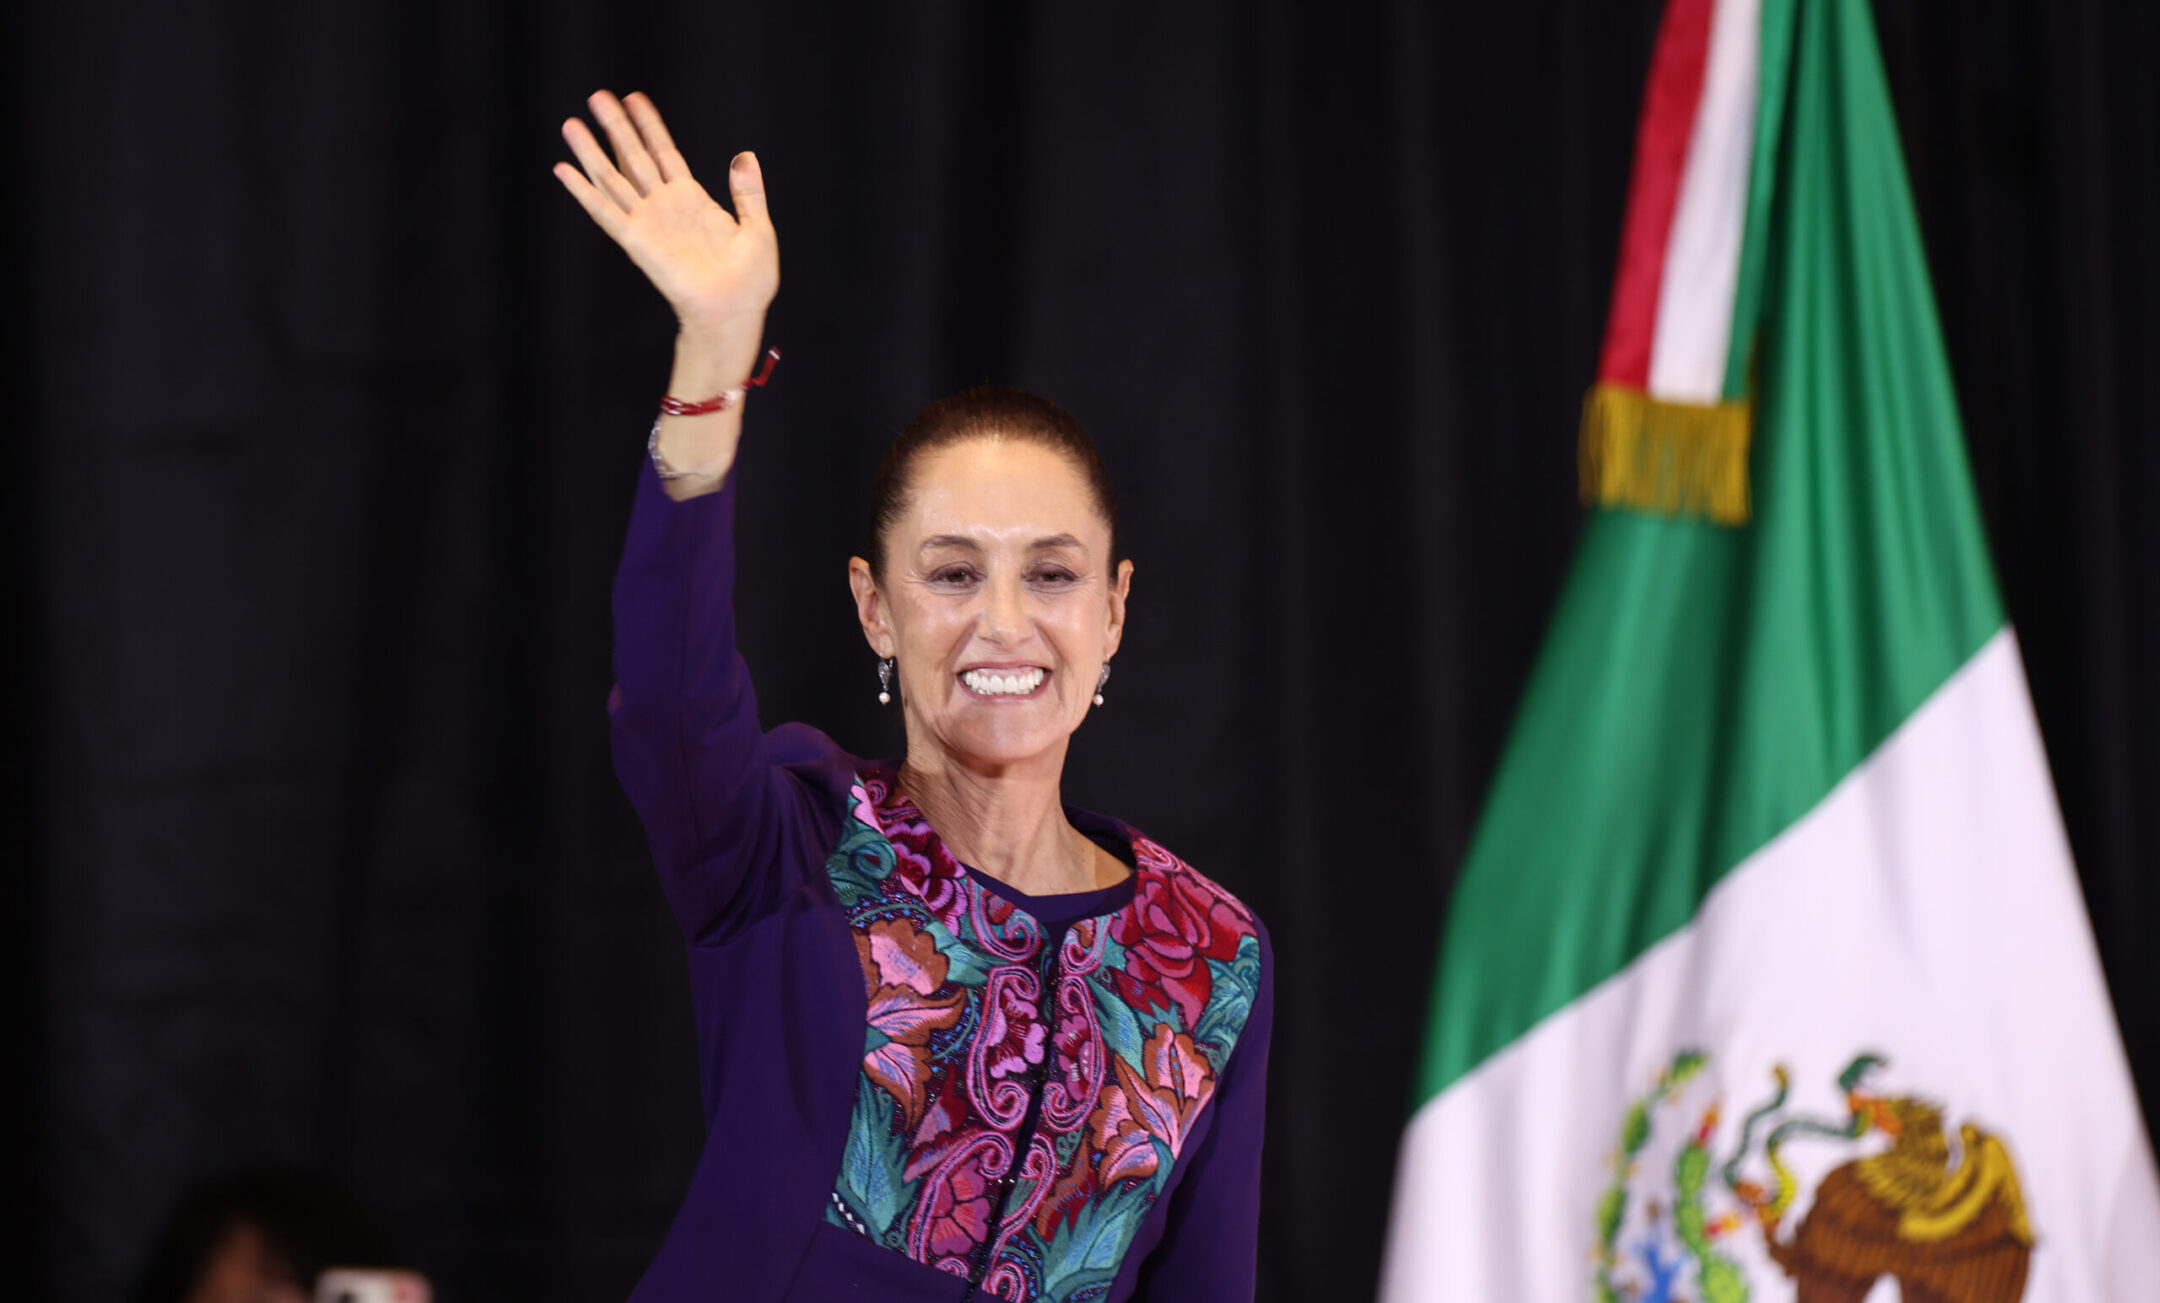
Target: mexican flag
(1768, 977)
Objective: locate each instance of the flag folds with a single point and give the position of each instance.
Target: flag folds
(1768, 975)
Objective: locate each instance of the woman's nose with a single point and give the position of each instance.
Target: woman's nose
(1003, 617)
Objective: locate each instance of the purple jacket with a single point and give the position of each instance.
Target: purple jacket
(919, 1084)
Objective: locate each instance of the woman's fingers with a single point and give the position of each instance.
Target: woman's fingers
(657, 139)
(648, 203)
(631, 158)
(604, 211)
(595, 162)
(746, 186)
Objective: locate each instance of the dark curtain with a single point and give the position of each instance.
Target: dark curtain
(332, 403)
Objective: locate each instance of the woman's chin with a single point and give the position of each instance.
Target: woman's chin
(1003, 736)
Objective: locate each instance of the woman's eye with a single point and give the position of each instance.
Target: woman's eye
(953, 575)
(1054, 577)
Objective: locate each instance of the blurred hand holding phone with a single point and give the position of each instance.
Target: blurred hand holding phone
(353, 1285)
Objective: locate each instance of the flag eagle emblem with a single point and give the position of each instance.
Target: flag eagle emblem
(1711, 1217)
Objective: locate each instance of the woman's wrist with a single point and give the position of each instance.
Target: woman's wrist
(710, 358)
(719, 351)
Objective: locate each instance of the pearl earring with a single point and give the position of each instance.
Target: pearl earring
(1101, 681)
(884, 681)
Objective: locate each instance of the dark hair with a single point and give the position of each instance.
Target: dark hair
(984, 412)
(307, 1222)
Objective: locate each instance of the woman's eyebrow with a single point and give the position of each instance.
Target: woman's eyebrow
(936, 541)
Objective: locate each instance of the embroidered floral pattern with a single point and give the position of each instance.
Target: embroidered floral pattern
(905, 975)
(1175, 926)
(1098, 1058)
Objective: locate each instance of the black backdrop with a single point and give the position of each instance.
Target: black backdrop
(332, 405)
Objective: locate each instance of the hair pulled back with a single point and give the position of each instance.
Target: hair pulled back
(995, 412)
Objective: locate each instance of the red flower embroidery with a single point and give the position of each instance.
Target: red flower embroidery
(959, 1211)
(1172, 929)
(925, 874)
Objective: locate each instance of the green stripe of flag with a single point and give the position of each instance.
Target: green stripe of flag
(1701, 688)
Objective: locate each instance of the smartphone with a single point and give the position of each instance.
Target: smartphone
(355, 1285)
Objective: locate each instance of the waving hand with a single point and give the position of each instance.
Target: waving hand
(712, 266)
(718, 270)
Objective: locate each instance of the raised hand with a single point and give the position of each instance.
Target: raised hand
(713, 267)
(718, 270)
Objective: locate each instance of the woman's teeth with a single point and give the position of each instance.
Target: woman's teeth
(1003, 683)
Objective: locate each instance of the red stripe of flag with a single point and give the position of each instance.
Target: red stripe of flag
(1661, 148)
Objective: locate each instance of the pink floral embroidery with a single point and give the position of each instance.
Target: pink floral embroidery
(1011, 1032)
(904, 971)
(902, 956)
(1179, 1081)
(1077, 1056)
(957, 1201)
(1010, 1041)
(1116, 1132)
(1083, 952)
(1157, 1103)
(1078, 1049)
(945, 898)
(1003, 929)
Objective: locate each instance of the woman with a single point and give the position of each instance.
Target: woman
(958, 1040)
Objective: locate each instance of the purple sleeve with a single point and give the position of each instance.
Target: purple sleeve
(1210, 1243)
(707, 781)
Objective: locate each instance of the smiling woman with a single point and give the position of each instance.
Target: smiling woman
(993, 587)
(958, 1039)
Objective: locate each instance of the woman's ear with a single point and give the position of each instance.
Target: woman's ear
(1120, 589)
(870, 608)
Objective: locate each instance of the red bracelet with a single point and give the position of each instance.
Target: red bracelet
(674, 406)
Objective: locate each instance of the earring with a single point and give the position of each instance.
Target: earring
(1101, 681)
(884, 681)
